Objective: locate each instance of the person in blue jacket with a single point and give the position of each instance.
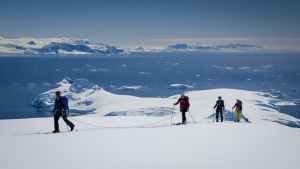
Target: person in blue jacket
(61, 108)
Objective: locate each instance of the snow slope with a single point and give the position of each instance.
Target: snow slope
(134, 133)
(84, 96)
(56, 45)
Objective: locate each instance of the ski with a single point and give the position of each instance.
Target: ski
(186, 123)
(176, 124)
(50, 132)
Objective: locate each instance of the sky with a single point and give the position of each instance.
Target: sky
(137, 21)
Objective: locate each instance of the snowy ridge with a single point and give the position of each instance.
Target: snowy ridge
(60, 46)
(86, 97)
(74, 90)
(135, 132)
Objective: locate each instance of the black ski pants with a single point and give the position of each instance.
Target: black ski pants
(57, 115)
(219, 112)
(183, 113)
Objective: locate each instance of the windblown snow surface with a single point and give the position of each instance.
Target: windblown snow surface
(130, 132)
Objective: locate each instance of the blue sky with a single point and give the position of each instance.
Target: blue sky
(127, 21)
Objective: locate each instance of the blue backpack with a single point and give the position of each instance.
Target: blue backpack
(65, 103)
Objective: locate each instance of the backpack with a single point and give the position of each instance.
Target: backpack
(185, 102)
(239, 105)
(220, 104)
(65, 102)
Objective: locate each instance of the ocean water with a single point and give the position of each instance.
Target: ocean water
(22, 79)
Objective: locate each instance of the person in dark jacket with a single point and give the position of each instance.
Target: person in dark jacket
(61, 108)
(184, 106)
(220, 107)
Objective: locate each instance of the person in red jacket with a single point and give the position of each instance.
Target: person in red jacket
(184, 103)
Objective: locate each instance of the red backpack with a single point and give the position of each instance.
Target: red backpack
(184, 102)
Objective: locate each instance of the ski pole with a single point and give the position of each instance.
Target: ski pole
(194, 121)
(173, 109)
(214, 113)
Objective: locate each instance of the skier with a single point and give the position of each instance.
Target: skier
(184, 106)
(220, 107)
(61, 108)
(238, 110)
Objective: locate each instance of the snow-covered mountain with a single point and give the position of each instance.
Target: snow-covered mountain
(197, 47)
(76, 46)
(86, 97)
(59, 45)
(232, 47)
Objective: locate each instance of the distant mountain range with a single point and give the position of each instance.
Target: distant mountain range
(223, 47)
(60, 46)
(76, 46)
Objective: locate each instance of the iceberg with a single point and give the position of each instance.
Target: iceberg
(179, 86)
(130, 88)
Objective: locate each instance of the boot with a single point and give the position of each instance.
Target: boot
(72, 127)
